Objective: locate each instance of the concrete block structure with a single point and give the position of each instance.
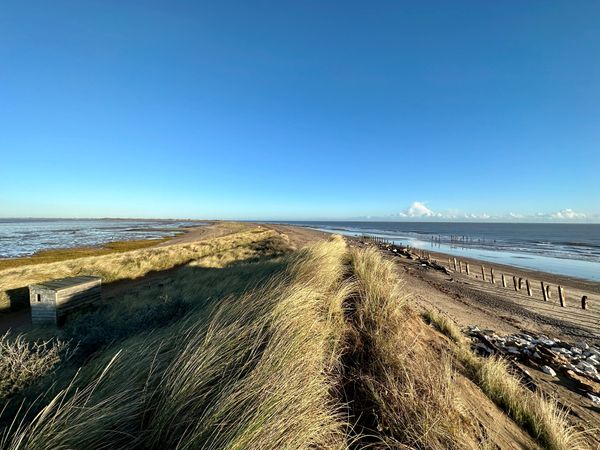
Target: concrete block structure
(52, 300)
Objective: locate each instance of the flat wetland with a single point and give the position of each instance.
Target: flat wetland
(63, 254)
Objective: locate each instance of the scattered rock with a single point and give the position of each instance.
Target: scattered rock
(580, 362)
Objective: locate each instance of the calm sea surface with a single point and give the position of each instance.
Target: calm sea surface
(23, 237)
(566, 249)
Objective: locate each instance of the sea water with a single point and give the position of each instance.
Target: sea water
(24, 237)
(564, 249)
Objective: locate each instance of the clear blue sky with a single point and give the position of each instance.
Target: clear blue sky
(300, 109)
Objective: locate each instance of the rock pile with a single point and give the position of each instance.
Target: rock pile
(578, 362)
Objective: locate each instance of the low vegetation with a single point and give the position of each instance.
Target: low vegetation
(247, 344)
(63, 254)
(444, 325)
(131, 264)
(23, 362)
(257, 373)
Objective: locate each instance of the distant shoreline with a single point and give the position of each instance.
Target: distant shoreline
(25, 238)
(558, 251)
(50, 255)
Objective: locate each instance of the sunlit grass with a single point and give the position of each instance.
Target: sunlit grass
(63, 254)
(256, 372)
(128, 264)
(408, 383)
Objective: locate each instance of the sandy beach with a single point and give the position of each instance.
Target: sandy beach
(470, 301)
(514, 309)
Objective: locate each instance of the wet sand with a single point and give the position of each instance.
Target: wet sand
(520, 309)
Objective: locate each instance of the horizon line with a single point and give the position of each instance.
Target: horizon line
(363, 220)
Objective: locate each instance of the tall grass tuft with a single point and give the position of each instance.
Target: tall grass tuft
(259, 376)
(258, 373)
(75, 419)
(444, 325)
(404, 385)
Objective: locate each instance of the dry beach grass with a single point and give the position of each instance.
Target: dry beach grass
(252, 344)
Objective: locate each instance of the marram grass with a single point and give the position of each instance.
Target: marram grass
(271, 368)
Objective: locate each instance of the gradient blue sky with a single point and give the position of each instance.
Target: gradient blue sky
(300, 109)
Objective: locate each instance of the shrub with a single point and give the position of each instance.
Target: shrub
(23, 362)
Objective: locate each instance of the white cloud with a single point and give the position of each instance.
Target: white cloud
(418, 209)
(567, 213)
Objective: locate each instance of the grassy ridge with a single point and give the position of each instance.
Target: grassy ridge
(315, 349)
(256, 374)
(403, 384)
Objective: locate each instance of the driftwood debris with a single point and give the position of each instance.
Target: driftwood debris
(579, 362)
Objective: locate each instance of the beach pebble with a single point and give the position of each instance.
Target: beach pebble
(595, 399)
(594, 352)
(586, 367)
(594, 360)
(549, 370)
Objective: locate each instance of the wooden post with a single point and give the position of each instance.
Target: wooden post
(528, 288)
(467, 264)
(544, 292)
(515, 283)
(503, 281)
(459, 266)
(492, 275)
(561, 296)
(548, 293)
(520, 283)
(483, 272)
(584, 301)
(455, 264)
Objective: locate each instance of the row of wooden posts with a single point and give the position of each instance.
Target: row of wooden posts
(376, 239)
(518, 283)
